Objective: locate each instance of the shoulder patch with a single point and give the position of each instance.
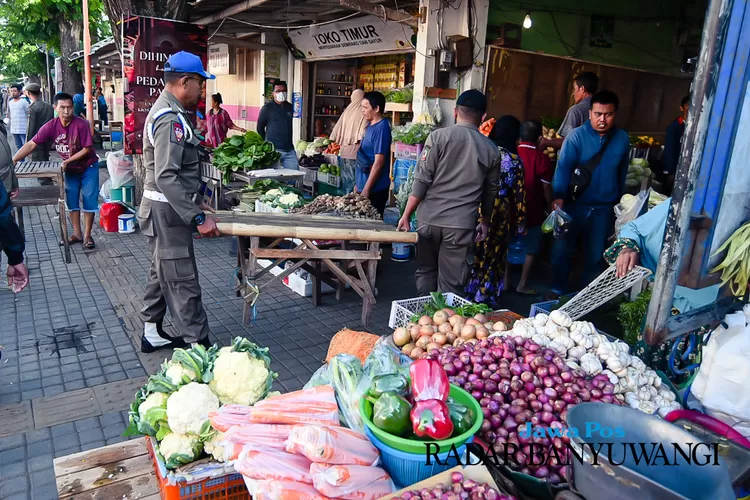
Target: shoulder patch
(178, 133)
(425, 153)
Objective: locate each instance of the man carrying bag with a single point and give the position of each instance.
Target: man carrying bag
(588, 183)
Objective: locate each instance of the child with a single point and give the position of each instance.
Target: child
(538, 173)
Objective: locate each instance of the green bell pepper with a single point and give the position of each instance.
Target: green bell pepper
(391, 382)
(462, 417)
(390, 413)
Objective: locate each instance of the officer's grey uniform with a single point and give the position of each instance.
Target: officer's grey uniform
(172, 174)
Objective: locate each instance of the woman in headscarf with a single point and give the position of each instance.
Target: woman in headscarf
(218, 122)
(508, 217)
(348, 132)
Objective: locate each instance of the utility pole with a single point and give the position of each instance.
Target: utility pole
(49, 80)
(87, 65)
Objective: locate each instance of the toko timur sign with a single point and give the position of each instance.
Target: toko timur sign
(360, 36)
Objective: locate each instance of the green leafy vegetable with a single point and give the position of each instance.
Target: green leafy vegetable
(244, 152)
(412, 133)
(400, 96)
(631, 316)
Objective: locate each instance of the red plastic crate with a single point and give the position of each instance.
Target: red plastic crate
(229, 487)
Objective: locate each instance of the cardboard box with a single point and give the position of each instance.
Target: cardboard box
(478, 473)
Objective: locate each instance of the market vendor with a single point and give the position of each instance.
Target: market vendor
(348, 133)
(639, 242)
(584, 86)
(218, 122)
(373, 176)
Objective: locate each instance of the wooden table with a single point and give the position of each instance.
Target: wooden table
(39, 196)
(122, 471)
(340, 261)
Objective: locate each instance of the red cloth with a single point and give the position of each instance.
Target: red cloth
(537, 170)
(217, 126)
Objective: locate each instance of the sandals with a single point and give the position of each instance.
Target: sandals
(72, 240)
(89, 244)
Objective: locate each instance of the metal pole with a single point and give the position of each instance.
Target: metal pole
(87, 65)
(688, 169)
(49, 79)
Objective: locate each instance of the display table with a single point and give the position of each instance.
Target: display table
(122, 470)
(278, 174)
(39, 196)
(260, 235)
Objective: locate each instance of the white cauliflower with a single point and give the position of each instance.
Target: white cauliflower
(212, 447)
(179, 449)
(239, 377)
(178, 374)
(188, 408)
(154, 400)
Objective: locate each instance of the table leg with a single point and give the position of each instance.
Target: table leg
(248, 271)
(64, 231)
(316, 289)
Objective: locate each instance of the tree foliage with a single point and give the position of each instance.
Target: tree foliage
(57, 24)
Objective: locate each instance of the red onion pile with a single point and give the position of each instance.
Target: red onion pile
(516, 382)
(460, 489)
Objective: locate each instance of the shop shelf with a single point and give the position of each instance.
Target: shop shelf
(331, 82)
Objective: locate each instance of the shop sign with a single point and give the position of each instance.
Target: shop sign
(297, 104)
(218, 59)
(147, 44)
(272, 64)
(363, 35)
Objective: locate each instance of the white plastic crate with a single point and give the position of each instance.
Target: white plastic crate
(330, 179)
(300, 281)
(311, 174)
(403, 310)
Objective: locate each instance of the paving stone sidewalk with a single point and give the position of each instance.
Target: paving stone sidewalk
(71, 360)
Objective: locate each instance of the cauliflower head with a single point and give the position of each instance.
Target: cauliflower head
(180, 449)
(213, 448)
(178, 374)
(239, 377)
(155, 400)
(189, 406)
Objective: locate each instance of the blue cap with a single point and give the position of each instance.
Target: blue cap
(185, 62)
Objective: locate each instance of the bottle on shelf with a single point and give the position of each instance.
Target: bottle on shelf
(328, 91)
(335, 109)
(339, 91)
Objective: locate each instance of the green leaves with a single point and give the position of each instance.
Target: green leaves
(248, 152)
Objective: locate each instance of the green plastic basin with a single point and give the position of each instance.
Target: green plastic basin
(418, 446)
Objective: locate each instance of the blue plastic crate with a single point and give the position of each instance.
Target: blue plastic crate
(409, 468)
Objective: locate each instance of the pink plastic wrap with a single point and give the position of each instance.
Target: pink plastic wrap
(282, 490)
(254, 436)
(351, 482)
(332, 445)
(274, 465)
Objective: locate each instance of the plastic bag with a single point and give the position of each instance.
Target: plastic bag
(316, 405)
(105, 191)
(346, 373)
(320, 377)
(351, 481)
(273, 465)
(557, 223)
(384, 360)
(721, 383)
(332, 445)
(259, 436)
(282, 490)
(629, 211)
(120, 168)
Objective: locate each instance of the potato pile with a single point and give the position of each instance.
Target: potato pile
(550, 133)
(444, 328)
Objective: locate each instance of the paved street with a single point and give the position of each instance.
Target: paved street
(71, 361)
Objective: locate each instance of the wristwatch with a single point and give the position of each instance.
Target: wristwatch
(199, 219)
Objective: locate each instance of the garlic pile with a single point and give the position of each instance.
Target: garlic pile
(584, 348)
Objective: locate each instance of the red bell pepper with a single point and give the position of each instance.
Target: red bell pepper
(428, 380)
(431, 418)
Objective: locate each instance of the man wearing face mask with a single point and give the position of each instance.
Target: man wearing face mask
(589, 181)
(169, 212)
(275, 126)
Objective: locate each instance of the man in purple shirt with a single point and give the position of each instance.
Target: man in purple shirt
(71, 137)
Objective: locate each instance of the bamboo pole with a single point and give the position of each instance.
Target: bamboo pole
(317, 233)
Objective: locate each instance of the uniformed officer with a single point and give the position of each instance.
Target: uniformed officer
(457, 172)
(169, 212)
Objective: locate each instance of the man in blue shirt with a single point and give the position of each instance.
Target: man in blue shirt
(592, 212)
(372, 177)
(12, 243)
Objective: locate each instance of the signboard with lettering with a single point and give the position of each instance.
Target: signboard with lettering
(147, 44)
(353, 37)
(218, 59)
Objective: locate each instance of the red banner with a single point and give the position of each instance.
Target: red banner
(147, 44)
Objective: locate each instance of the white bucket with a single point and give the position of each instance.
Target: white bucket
(400, 252)
(126, 224)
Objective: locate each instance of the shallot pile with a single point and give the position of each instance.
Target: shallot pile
(581, 346)
(350, 205)
(517, 382)
(460, 489)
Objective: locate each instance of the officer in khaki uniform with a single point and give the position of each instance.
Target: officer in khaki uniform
(169, 213)
(456, 174)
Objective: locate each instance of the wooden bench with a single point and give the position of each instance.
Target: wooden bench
(120, 471)
(39, 196)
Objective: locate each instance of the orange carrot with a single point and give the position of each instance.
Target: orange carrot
(282, 490)
(350, 482)
(332, 445)
(273, 464)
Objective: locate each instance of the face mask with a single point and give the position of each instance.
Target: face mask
(281, 96)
